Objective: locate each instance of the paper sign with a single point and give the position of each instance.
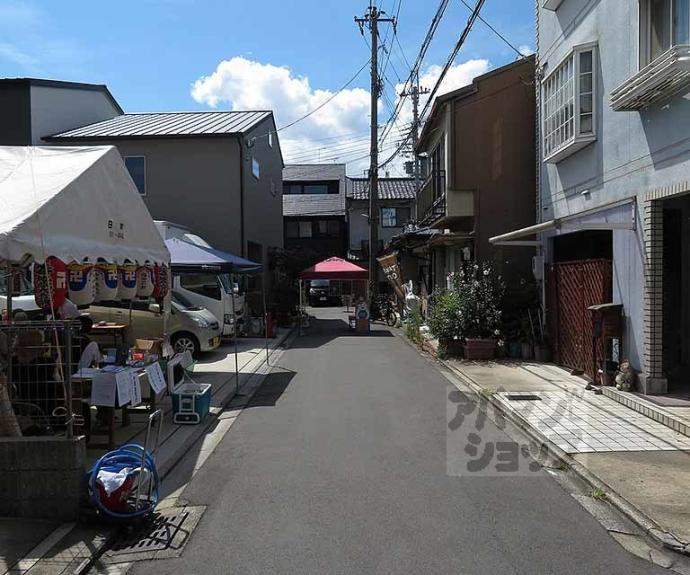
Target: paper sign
(103, 390)
(124, 387)
(135, 386)
(156, 377)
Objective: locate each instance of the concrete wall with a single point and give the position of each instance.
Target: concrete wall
(57, 109)
(359, 225)
(194, 182)
(42, 477)
(634, 153)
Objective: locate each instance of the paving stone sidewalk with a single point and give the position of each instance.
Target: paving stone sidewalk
(644, 462)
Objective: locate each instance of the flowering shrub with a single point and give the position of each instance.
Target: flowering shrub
(472, 307)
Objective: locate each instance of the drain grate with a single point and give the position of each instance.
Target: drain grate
(156, 535)
(526, 397)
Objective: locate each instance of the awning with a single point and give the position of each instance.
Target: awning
(586, 220)
(335, 269)
(185, 256)
(73, 204)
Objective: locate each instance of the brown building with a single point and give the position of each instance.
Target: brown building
(479, 143)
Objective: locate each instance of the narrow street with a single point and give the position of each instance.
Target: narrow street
(338, 465)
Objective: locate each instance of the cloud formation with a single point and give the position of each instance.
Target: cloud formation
(338, 131)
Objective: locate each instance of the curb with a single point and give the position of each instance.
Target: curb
(649, 527)
(643, 521)
(97, 552)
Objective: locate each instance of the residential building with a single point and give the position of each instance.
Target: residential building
(31, 109)
(615, 197)
(315, 219)
(396, 209)
(479, 145)
(217, 173)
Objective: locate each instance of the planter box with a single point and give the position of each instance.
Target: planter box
(480, 348)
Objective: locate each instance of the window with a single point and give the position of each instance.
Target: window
(256, 172)
(305, 229)
(394, 217)
(296, 229)
(568, 114)
(312, 188)
(270, 139)
(206, 285)
(136, 166)
(292, 230)
(663, 23)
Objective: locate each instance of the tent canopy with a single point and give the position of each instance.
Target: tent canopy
(73, 203)
(186, 256)
(335, 269)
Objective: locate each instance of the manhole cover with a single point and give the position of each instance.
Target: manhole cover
(155, 535)
(514, 397)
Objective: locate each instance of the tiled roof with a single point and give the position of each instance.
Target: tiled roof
(166, 124)
(313, 172)
(389, 189)
(314, 204)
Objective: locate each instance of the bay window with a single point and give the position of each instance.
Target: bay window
(568, 104)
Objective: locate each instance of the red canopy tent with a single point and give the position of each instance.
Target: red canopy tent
(335, 269)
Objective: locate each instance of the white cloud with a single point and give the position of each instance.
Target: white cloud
(13, 54)
(525, 50)
(338, 131)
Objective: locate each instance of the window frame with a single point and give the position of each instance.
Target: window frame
(645, 32)
(256, 168)
(398, 223)
(135, 156)
(578, 140)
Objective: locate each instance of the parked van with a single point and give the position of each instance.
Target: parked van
(214, 292)
(190, 327)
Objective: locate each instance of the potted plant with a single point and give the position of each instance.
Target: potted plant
(470, 311)
(445, 323)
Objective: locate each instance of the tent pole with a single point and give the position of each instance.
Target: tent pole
(9, 292)
(234, 328)
(299, 314)
(263, 295)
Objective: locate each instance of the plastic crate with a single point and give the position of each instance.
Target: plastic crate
(191, 402)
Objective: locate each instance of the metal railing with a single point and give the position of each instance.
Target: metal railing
(431, 198)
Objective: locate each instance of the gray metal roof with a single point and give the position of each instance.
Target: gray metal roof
(315, 204)
(166, 125)
(313, 172)
(389, 189)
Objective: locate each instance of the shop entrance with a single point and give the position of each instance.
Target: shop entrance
(676, 287)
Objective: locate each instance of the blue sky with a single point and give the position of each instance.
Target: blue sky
(150, 52)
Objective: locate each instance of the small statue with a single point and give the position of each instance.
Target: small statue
(624, 377)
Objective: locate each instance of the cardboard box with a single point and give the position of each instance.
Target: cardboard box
(152, 345)
(362, 326)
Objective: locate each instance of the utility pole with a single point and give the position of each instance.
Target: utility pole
(371, 20)
(415, 92)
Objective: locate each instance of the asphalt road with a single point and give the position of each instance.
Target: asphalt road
(339, 465)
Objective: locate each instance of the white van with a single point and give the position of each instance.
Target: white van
(214, 292)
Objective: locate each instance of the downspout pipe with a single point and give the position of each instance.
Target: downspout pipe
(240, 143)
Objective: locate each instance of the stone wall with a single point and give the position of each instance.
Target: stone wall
(41, 476)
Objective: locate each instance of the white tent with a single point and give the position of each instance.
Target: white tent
(73, 203)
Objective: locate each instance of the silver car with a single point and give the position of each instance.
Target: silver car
(191, 328)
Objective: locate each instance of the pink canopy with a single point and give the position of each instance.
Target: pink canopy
(334, 269)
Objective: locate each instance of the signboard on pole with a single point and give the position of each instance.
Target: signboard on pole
(391, 269)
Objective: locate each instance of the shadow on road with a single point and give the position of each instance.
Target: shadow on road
(324, 330)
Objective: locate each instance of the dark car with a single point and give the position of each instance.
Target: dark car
(319, 293)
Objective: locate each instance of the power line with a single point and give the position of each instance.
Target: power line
(495, 31)
(328, 100)
(451, 58)
(414, 69)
